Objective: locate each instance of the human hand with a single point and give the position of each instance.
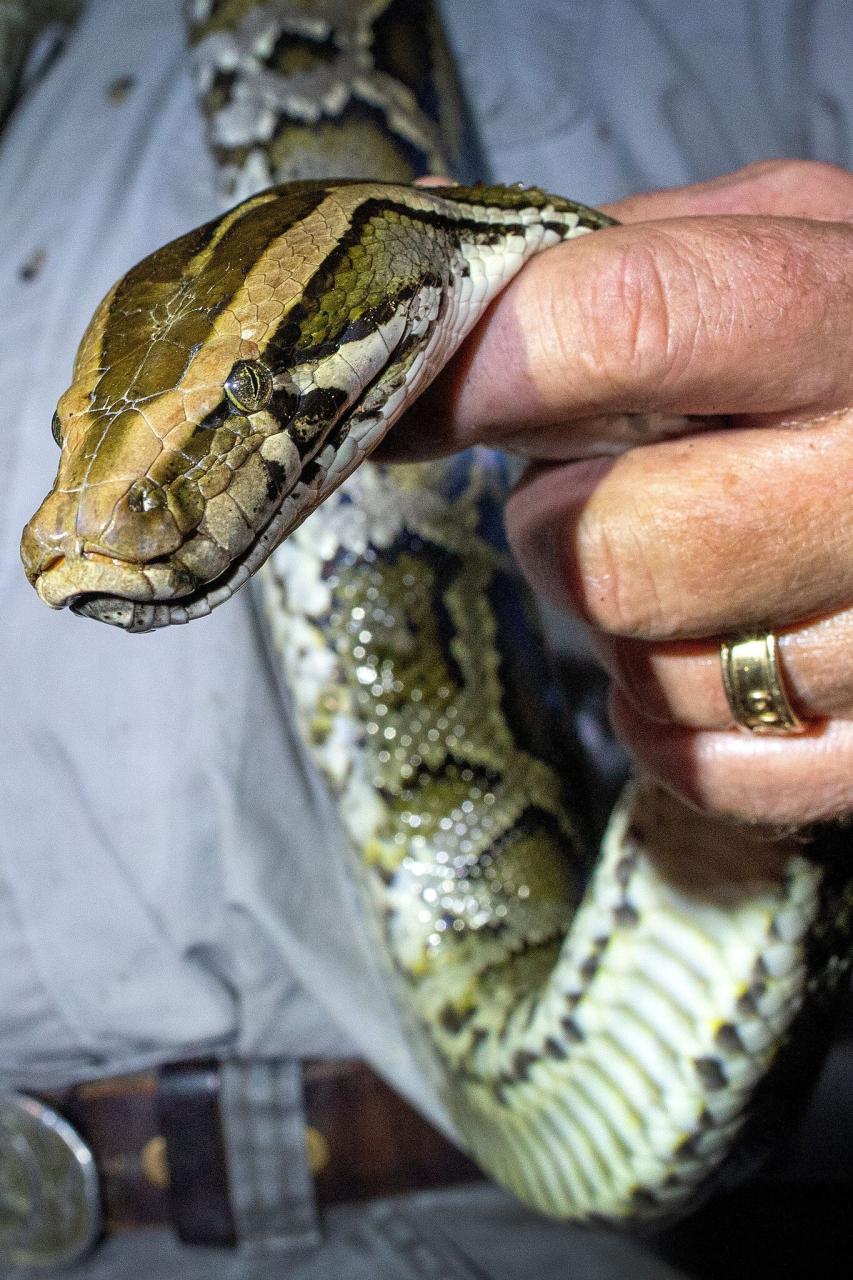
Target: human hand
(667, 545)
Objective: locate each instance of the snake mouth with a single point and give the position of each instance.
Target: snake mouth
(108, 588)
(159, 593)
(136, 597)
(115, 610)
(162, 592)
(137, 615)
(143, 596)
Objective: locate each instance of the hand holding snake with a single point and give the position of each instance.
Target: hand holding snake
(743, 522)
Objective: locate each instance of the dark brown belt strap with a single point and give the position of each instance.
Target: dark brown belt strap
(201, 1145)
(374, 1143)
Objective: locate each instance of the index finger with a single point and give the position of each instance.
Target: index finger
(732, 314)
(787, 188)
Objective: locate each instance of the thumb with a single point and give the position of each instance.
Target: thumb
(679, 316)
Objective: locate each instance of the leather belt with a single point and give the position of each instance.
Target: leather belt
(172, 1146)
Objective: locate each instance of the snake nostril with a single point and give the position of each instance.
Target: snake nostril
(137, 526)
(146, 495)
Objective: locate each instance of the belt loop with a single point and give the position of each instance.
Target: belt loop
(263, 1124)
(188, 1110)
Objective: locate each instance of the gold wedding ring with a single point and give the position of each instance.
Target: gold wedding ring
(754, 686)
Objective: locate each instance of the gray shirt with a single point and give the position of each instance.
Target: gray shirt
(173, 878)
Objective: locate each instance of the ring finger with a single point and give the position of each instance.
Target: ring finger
(697, 537)
(681, 683)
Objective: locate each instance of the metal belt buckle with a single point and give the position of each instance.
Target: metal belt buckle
(50, 1214)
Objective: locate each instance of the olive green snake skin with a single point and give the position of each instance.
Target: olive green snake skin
(597, 1028)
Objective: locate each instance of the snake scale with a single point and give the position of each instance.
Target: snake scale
(599, 1027)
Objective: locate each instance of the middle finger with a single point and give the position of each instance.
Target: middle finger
(701, 536)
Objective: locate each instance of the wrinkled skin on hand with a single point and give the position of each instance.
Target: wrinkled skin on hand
(731, 302)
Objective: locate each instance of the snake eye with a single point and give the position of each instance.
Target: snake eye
(56, 429)
(249, 386)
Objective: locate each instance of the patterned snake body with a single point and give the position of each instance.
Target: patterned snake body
(598, 1032)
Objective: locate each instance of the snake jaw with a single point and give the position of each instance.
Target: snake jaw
(110, 609)
(64, 581)
(194, 579)
(231, 381)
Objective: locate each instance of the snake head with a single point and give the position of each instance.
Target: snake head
(200, 425)
(230, 381)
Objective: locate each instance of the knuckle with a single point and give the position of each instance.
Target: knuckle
(796, 172)
(814, 175)
(773, 782)
(814, 172)
(646, 310)
(797, 187)
(620, 587)
(631, 664)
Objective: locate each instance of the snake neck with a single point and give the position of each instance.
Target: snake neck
(361, 88)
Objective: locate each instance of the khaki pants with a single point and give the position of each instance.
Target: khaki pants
(471, 1233)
